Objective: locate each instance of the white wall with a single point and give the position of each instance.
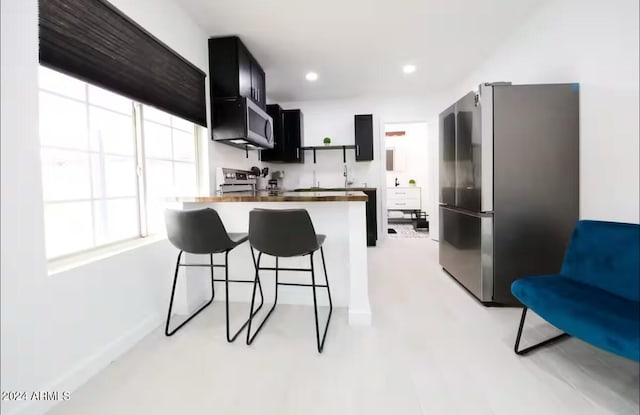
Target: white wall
(595, 43)
(334, 118)
(59, 330)
(591, 42)
(411, 159)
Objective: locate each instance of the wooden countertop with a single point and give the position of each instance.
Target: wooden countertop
(280, 196)
(335, 189)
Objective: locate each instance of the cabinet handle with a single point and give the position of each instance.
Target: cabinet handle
(400, 204)
(357, 150)
(298, 152)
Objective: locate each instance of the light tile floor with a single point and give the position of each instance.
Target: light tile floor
(432, 350)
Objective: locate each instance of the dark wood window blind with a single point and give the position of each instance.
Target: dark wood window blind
(93, 41)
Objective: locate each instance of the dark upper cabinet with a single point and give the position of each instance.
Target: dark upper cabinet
(293, 135)
(288, 130)
(234, 72)
(364, 137)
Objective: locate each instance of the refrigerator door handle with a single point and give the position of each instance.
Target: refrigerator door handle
(486, 127)
(468, 212)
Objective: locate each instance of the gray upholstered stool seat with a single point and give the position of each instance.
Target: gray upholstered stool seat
(202, 232)
(286, 233)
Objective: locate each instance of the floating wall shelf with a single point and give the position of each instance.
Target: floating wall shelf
(343, 148)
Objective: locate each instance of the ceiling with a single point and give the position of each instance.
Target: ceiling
(358, 47)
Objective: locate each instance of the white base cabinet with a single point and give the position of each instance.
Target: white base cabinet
(404, 198)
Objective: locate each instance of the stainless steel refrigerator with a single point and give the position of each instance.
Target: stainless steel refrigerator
(509, 185)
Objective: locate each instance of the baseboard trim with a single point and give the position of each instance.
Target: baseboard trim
(360, 317)
(89, 367)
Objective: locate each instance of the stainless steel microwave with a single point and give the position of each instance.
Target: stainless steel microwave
(242, 123)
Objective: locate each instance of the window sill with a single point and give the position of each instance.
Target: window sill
(58, 266)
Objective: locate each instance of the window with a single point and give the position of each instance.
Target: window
(104, 178)
(170, 160)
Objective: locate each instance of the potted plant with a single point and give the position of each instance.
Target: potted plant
(327, 141)
(412, 182)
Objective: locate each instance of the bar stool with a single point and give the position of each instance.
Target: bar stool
(202, 232)
(286, 233)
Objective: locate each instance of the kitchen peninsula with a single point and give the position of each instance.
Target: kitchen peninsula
(339, 215)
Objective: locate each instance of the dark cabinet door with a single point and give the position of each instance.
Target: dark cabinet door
(225, 68)
(287, 133)
(364, 137)
(244, 71)
(262, 96)
(258, 84)
(293, 134)
(372, 217)
(235, 72)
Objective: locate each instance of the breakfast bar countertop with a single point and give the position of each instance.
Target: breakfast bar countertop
(343, 222)
(278, 196)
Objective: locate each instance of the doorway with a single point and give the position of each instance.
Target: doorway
(406, 159)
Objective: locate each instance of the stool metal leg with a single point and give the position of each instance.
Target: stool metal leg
(320, 343)
(256, 282)
(516, 347)
(173, 292)
(277, 282)
(213, 289)
(326, 278)
(230, 338)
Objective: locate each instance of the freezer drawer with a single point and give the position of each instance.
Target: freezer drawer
(466, 250)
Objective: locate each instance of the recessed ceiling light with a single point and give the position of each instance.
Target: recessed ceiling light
(409, 68)
(311, 76)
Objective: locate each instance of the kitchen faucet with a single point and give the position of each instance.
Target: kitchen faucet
(397, 183)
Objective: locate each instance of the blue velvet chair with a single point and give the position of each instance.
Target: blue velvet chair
(596, 295)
